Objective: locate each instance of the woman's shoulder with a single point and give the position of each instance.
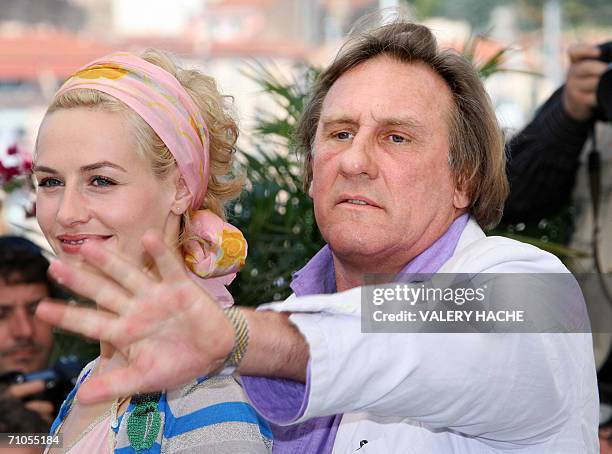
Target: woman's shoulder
(214, 412)
(65, 407)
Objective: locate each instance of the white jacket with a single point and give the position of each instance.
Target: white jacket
(450, 393)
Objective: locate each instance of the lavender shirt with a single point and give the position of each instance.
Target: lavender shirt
(284, 401)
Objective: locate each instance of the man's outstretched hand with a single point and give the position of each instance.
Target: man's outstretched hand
(168, 329)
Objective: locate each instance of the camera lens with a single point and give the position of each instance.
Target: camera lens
(604, 95)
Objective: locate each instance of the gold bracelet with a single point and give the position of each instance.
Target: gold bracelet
(241, 340)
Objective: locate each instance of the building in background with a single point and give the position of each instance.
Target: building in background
(42, 41)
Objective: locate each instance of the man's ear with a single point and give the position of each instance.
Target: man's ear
(461, 199)
(182, 197)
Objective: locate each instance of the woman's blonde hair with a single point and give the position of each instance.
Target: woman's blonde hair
(223, 183)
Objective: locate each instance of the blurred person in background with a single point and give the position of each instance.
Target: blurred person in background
(16, 418)
(546, 168)
(25, 341)
(544, 157)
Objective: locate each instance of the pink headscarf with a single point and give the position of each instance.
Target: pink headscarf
(215, 250)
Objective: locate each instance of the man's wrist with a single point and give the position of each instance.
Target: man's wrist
(276, 347)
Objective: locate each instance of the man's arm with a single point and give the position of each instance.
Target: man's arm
(276, 347)
(544, 157)
(169, 332)
(513, 387)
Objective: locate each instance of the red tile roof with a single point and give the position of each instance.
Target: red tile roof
(27, 54)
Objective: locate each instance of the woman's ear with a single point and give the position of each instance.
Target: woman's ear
(182, 197)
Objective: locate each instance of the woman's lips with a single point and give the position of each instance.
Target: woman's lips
(71, 244)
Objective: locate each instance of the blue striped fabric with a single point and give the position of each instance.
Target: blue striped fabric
(216, 414)
(210, 413)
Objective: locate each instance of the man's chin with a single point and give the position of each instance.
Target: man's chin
(355, 251)
(25, 365)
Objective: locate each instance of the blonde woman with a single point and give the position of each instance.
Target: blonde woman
(129, 144)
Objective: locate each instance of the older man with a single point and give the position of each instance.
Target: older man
(405, 165)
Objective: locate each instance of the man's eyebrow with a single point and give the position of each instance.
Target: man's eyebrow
(87, 168)
(409, 122)
(335, 120)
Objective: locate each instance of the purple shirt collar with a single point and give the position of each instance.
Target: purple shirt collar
(286, 400)
(318, 275)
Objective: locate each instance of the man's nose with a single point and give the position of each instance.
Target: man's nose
(73, 207)
(22, 324)
(358, 158)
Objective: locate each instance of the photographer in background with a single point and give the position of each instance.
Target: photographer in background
(544, 158)
(545, 170)
(25, 341)
(15, 418)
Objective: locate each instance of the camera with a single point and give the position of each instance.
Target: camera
(604, 87)
(59, 380)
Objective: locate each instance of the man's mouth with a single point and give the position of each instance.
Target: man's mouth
(21, 351)
(357, 200)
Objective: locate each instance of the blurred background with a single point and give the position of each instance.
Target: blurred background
(264, 53)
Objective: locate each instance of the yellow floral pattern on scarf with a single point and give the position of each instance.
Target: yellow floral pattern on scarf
(233, 247)
(102, 71)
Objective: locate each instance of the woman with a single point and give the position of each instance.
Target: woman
(131, 144)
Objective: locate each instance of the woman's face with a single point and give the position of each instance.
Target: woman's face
(93, 186)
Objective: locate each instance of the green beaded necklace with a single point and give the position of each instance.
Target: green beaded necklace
(144, 421)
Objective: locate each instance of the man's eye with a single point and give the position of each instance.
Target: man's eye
(31, 308)
(49, 182)
(344, 135)
(102, 181)
(396, 138)
(5, 312)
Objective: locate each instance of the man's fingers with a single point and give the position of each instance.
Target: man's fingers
(170, 268)
(105, 292)
(117, 268)
(586, 84)
(43, 407)
(587, 68)
(91, 323)
(580, 51)
(26, 389)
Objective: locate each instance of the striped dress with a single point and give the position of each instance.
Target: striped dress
(208, 415)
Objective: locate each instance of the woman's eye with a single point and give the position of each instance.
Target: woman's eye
(49, 182)
(102, 181)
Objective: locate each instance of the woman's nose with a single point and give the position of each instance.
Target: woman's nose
(73, 207)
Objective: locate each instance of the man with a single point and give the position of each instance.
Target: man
(545, 171)
(545, 156)
(25, 341)
(405, 164)
(15, 418)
